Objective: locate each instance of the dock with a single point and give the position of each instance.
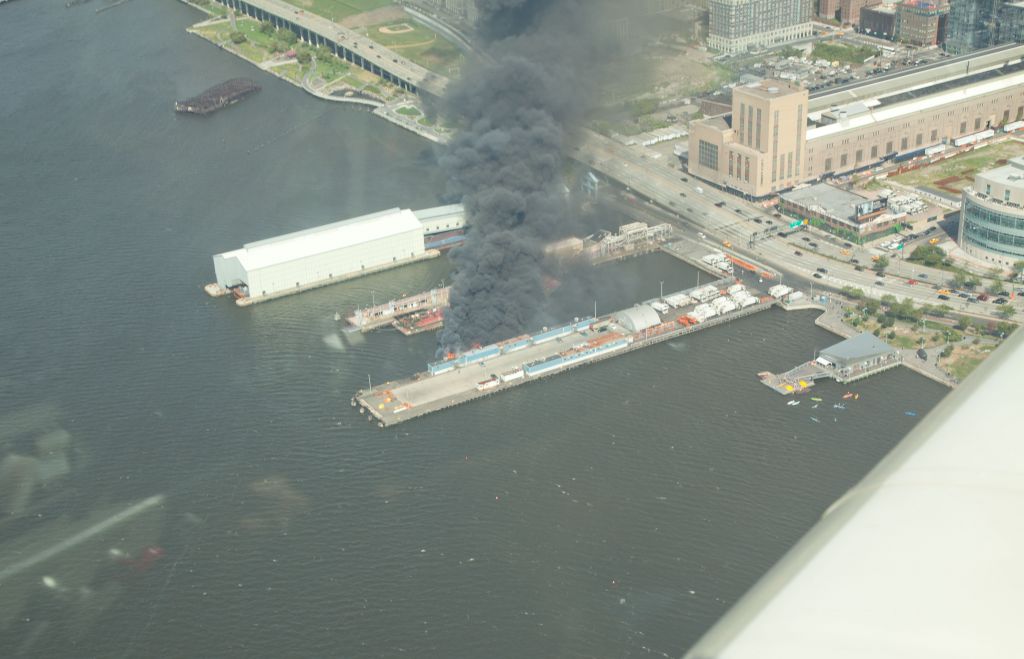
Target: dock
(856, 358)
(496, 368)
(381, 315)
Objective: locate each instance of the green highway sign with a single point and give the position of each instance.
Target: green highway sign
(794, 224)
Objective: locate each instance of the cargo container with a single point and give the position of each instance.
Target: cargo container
(779, 291)
(512, 376)
(1012, 126)
(706, 293)
(487, 384)
(437, 368)
(551, 335)
(582, 325)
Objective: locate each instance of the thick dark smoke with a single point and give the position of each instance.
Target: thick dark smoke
(506, 160)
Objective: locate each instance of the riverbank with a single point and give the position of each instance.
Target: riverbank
(315, 70)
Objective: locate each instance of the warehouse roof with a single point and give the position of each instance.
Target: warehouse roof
(826, 199)
(439, 211)
(638, 318)
(346, 233)
(918, 105)
(862, 346)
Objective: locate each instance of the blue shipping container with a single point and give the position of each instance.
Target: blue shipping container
(550, 335)
(518, 345)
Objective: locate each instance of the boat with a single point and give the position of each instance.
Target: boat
(847, 396)
(814, 419)
(815, 399)
(856, 396)
(839, 406)
(217, 97)
(814, 407)
(793, 402)
(910, 413)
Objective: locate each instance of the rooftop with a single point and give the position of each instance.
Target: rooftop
(1010, 174)
(834, 201)
(861, 346)
(439, 211)
(769, 88)
(346, 233)
(917, 101)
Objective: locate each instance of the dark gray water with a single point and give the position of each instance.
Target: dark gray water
(613, 512)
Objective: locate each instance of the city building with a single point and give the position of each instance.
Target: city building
(839, 211)
(736, 26)
(759, 148)
(971, 25)
(1011, 23)
(897, 117)
(849, 10)
(917, 22)
(992, 214)
(879, 21)
(858, 357)
(828, 9)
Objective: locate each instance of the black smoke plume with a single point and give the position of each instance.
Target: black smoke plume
(505, 162)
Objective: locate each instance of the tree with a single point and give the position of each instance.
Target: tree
(930, 255)
(946, 352)
(237, 37)
(286, 36)
(964, 279)
(266, 27)
(1005, 311)
(304, 57)
(995, 272)
(881, 264)
(1005, 329)
(1018, 268)
(996, 287)
(962, 323)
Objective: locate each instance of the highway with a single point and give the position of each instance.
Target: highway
(691, 204)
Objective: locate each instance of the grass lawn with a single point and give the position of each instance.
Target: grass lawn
(962, 366)
(952, 175)
(409, 111)
(417, 43)
(338, 9)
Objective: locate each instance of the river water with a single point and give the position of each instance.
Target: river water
(614, 512)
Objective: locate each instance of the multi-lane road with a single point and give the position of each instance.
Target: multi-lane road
(725, 218)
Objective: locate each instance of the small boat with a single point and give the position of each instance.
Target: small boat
(815, 420)
(814, 407)
(793, 402)
(910, 413)
(839, 406)
(815, 399)
(847, 396)
(856, 396)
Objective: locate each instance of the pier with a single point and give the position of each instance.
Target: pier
(499, 367)
(371, 318)
(856, 358)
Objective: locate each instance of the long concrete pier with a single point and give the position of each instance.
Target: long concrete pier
(524, 359)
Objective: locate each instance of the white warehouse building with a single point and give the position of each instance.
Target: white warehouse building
(322, 255)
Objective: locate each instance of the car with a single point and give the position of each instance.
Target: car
(798, 252)
(682, 194)
(880, 274)
(854, 261)
(813, 244)
(922, 276)
(933, 241)
(912, 282)
(719, 204)
(758, 220)
(879, 283)
(823, 271)
(816, 275)
(1000, 300)
(739, 211)
(922, 353)
(943, 296)
(805, 239)
(963, 296)
(847, 245)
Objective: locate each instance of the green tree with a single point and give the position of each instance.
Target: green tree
(266, 27)
(946, 352)
(237, 37)
(962, 323)
(304, 57)
(853, 292)
(930, 255)
(286, 36)
(1005, 311)
(1018, 268)
(996, 287)
(1005, 329)
(881, 264)
(995, 272)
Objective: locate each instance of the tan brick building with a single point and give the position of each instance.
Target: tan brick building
(759, 148)
(775, 137)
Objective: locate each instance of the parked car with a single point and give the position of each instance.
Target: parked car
(798, 252)
(922, 353)
(813, 244)
(847, 245)
(922, 276)
(1000, 300)
(943, 296)
(823, 271)
(858, 268)
(854, 261)
(912, 282)
(816, 275)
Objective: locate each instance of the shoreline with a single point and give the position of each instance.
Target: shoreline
(382, 109)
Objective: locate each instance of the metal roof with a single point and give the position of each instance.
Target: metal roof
(346, 233)
(439, 211)
(638, 318)
(862, 346)
(836, 202)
